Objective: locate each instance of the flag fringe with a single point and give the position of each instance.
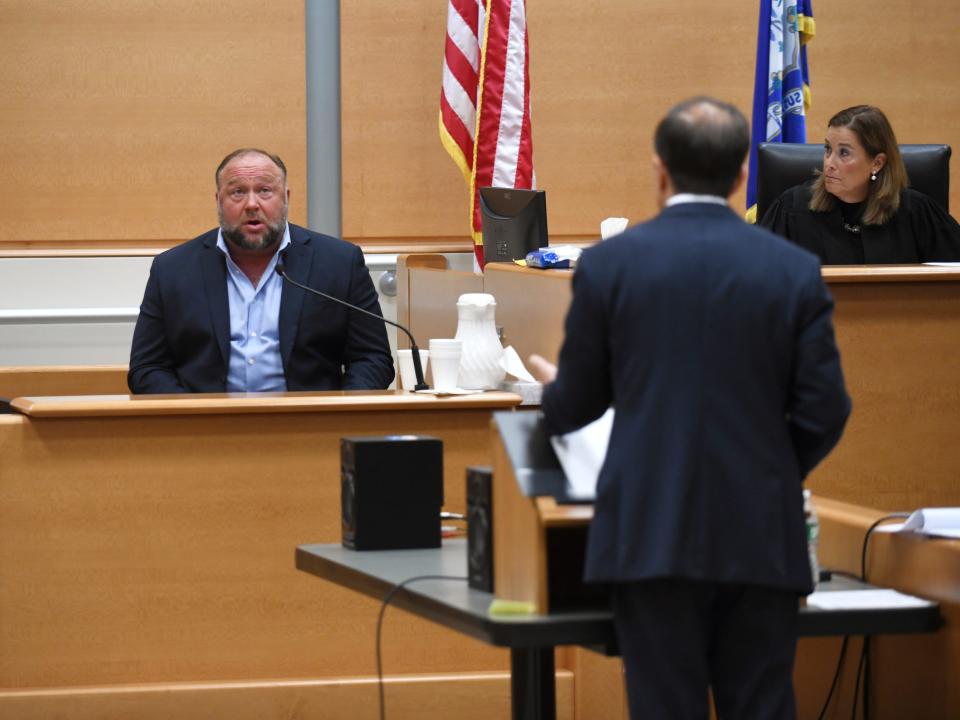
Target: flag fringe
(476, 234)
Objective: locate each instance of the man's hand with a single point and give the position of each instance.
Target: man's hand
(542, 369)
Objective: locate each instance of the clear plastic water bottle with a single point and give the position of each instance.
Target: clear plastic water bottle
(813, 534)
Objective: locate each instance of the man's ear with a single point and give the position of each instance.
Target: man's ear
(741, 178)
(661, 176)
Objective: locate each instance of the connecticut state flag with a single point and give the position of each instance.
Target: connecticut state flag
(781, 90)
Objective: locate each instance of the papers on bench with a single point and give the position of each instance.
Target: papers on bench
(936, 522)
(863, 599)
(581, 455)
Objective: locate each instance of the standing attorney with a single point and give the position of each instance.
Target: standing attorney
(217, 317)
(714, 344)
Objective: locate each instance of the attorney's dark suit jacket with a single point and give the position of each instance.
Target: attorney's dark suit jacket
(182, 338)
(713, 341)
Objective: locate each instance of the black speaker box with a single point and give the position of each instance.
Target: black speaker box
(480, 528)
(391, 492)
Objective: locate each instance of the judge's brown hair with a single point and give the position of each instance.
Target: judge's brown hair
(876, 135)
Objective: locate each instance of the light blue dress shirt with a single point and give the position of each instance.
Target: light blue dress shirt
(255, 361)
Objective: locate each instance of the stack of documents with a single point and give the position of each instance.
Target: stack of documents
(863, 600)
(936, 522)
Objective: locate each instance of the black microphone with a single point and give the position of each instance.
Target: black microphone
(414, 350)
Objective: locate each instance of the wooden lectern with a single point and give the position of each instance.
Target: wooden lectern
(538, 541)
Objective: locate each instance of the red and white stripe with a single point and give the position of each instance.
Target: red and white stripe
(500, 135)
(461, 80)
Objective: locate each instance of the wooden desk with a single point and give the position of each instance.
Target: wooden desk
(145, 559)
(342, 401)
(532, 639)
(914, 677)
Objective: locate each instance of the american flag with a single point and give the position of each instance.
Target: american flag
(485, 99)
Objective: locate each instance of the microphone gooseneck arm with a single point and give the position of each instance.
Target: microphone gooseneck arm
(414, 350)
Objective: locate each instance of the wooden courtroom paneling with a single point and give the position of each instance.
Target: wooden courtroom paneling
(898, 330)
(115, 114)
(899, 56)
(474, 696)
(519, 541)
(160, 549)
(900, 349)
(531, 307)
(602, 74)
(424, 282)
(405, 263)
(62, 380)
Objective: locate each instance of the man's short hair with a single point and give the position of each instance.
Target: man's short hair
(702, 142)
(251, 151)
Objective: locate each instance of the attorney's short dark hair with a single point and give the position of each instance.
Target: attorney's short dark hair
(703, 142)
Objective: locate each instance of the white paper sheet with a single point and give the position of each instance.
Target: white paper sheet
(448, 393)
(863, 599)
(612, 226)
(581, 454)
(935, 522)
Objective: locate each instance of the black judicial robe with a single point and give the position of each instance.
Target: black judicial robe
(921, 231)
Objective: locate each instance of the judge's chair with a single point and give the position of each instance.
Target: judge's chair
(780, 166)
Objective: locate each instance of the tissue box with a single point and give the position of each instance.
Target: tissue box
(531, 392)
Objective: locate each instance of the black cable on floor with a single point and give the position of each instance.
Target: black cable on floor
(383, 607)
(836, 677)
(863, 666)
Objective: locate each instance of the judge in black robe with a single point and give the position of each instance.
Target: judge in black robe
(920, 231)
(859, 209)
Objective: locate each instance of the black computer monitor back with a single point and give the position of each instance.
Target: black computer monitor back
(514, 222)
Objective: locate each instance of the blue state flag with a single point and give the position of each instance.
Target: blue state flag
(781, 90)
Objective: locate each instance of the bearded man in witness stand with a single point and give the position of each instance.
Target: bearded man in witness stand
(217, 317)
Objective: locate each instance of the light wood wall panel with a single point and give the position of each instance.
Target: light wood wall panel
(114, 114)
(602, 75)
(474, 696)
(17, 381)
(159, 549)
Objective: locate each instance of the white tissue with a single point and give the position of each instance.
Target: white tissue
(612, 226)
(511, 362)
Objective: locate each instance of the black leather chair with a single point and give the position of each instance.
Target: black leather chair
(780, 166)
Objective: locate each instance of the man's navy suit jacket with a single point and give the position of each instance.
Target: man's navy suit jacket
(713, 341)
(182, 338)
